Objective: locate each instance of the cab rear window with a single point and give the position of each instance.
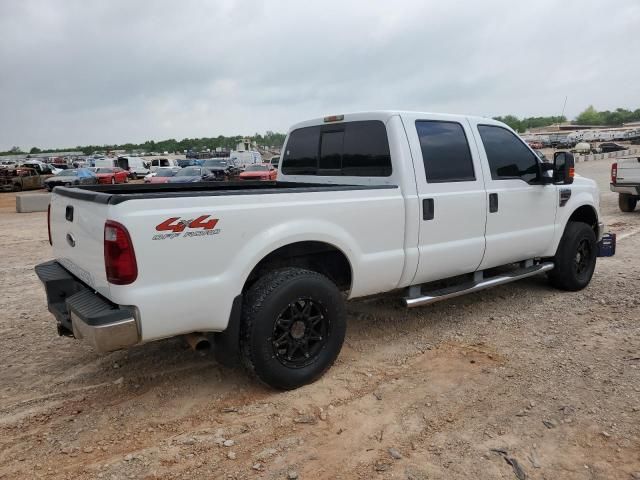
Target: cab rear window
(358, 149)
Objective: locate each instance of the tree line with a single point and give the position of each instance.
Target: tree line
(590, 116)
(171, 145)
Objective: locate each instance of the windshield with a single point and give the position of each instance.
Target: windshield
(189, 172)
(256, 168)
(215, 163)
(165, 173)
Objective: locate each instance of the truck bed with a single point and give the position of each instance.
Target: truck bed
(115, 194)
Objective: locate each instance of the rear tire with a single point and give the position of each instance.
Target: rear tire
(575, 260)
(627, 202)
(134, 176)
(293, 327)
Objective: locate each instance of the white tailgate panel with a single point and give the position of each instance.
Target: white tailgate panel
(629, 170)
(86, 232)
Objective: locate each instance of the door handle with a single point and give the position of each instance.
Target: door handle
(493, 202)
(427, 209)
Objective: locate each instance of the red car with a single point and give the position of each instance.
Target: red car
(259, 171)
(111, 175)
(162, 175)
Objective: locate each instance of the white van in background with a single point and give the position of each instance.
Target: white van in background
(163, 162)
(105, 162)
(136, 166)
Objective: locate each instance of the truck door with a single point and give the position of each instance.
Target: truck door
(522, 211)
(452, 196)
(34, 180)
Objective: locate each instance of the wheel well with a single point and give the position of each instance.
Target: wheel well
(316, 256)
(586, 214)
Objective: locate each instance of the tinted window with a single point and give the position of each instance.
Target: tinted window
(350, 149)
(445, 152)
(301, 154)
(331, 146)
(366, 150)
(507, 154)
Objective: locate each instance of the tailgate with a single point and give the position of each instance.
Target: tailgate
(629, 170)
(77, 233)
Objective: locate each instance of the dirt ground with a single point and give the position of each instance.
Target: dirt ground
(521, 381)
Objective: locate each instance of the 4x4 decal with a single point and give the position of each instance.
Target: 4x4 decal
(198, 227)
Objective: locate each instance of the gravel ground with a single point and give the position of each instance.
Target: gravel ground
(521, 381)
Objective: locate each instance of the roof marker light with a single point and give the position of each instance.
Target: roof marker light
(333, 118)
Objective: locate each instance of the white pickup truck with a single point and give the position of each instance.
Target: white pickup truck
(625, 180)
(429, 205)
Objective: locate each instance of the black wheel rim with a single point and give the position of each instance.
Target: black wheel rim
(300, 333)
(583, 257)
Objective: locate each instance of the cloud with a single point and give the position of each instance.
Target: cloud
(78, 72)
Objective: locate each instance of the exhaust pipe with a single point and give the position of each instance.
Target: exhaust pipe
(198, 341)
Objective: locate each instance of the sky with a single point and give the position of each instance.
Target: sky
(78, 72)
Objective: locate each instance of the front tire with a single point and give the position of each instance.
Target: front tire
(293, 327)
(627, 202)
(575, 260)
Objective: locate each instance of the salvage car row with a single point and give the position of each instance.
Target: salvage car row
(36, 176)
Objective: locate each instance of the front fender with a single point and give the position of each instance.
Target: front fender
(579, 198)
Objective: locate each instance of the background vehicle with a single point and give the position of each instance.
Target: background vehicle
(611, 147)
(162, 163)
(111, 175)
(162, 175)
(363, 204)
(259, 171)
(186, 162)
(194, 174)
(42, 168)
(18, 179)
(582, 147)
(625, 180)
(71, 177)
(222, 168)
(136, 166)
(7, 163)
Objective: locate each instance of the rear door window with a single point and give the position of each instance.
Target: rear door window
(445, 152)
(350, 149)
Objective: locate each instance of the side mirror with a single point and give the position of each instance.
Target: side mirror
(563, 168)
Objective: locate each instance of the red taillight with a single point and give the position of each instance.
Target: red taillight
(49, 223)
(614, 172)
(119, 257)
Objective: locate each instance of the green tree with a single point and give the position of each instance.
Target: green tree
(590, 116)
(35, 150)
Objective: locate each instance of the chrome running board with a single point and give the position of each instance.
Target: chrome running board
(458, 290)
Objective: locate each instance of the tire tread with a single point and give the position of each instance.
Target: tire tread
(253, 302)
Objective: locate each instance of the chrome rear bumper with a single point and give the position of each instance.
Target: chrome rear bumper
(86, 315)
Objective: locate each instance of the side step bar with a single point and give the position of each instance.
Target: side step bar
(458, 290)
